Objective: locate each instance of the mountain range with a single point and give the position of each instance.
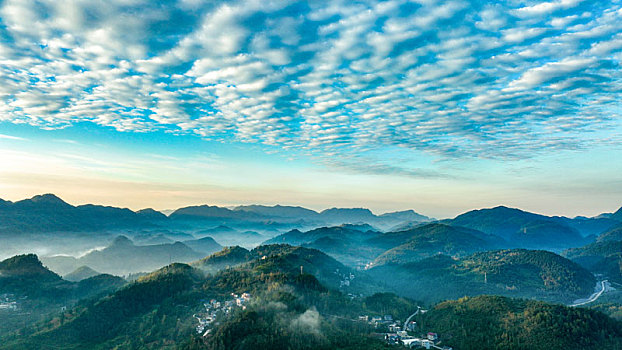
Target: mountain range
(295, 310)
(256, 223)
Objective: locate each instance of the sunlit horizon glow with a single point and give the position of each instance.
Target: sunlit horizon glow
(436, 106)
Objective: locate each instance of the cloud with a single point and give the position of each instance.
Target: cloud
(329, 79)
(10, 137)
(546, 8)
(307, 322)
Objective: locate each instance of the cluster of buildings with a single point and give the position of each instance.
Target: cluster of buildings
(215, 308)
(429, 341)
(8, 302)
(345, 278)
(395, 335)
(382, 321)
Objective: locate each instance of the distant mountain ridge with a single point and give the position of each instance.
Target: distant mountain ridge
(332, 216)
(250, 225)
(48, 213)
(529, 230)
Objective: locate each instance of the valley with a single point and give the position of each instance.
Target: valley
(218, 278)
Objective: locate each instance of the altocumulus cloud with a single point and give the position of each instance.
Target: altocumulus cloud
(452, 78)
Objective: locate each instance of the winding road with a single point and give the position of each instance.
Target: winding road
(603, 286)
(410, 317)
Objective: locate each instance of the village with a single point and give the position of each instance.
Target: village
(215, 309)
(396, 334)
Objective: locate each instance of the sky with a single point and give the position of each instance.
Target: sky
(436, 106)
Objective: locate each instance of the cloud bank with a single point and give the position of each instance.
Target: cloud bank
(332, 78)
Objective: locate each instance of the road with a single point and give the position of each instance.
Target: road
(593, 297)
(410, 317)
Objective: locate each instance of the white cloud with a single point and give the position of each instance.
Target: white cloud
(545, 8)
(329, 78)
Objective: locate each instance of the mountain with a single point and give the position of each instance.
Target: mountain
(228, 257)
(613, 234)
(208, 212)
(288, 310)
(81, 273)
(289, 259)
(546, 234)
(218, 230)
(230, 236)
(493, 322)
(347, 215)
(617, 215)
(330, 272)
(279, 211)
(205, 245)
(344, 242)
(347, 231)
(38, 291)
(48, 213)
(26, 267)
(603, 257)
(123, 257)
(435, 238)
(151, 215)
(111, 319)
(514, 272)
(291, 214)
(406, 216)
(587, 226)
(520, 228)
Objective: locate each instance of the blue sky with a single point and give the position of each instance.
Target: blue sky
(439, 106)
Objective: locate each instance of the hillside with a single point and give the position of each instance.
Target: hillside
(617, 215)
(613, 234)
(516, 273)
(492, 322)
(432, 239)
(290, 310)
(205, 245)
(38, 291)
(600, 257)
(289, 259)
(228, 257)
(26, 275)
(157, 311)
(82, 272)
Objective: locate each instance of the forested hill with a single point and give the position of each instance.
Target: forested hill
(435, 238)
(293, 310)
(493, 322)
(288, 310)
(604, 257)
(290, 259)
(514, 272)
